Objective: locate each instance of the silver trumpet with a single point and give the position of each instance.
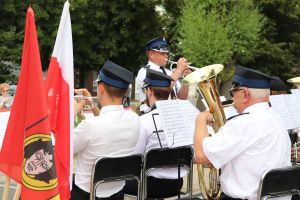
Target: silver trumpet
(79, 97)
(94, 101)
(175, 63)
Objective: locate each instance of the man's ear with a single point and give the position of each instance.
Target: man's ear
(150, 92)
(101, 89)
(246, 96)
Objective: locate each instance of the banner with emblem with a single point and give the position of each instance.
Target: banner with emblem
(27, 153)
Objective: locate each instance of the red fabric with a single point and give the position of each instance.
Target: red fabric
(58, 101)
(60, 91)
(28, 117)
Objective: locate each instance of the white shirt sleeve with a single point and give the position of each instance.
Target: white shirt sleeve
(142, 141)
(139, 84)
(82, 135)
(225, 145)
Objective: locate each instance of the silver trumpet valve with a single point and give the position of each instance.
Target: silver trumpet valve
(175, 63)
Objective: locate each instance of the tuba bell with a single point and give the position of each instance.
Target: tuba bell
(206, 78)
(296, 81)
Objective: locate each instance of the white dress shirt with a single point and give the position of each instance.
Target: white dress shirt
(148, 139)
(245, 147)
(113, 133)
(142, 75)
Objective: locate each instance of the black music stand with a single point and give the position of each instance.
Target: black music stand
(169, 157)
(115, 169)
(279, 182)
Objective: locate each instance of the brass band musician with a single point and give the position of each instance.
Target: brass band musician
(113, 133)
(161, 183)
(248, 144)
(157, 53)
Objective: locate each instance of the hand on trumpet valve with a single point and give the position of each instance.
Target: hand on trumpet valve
(83, 95)
(182, 64)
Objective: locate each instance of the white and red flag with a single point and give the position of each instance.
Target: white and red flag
(60, 90)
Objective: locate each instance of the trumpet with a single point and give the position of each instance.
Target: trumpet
(93, 100)
(175, 63)
(79, 98)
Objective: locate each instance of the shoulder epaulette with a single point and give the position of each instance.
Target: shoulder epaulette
(146, 66)
(235, 116)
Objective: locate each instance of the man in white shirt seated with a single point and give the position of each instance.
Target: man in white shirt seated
(250, 143)
(114, 133)
(161, 183)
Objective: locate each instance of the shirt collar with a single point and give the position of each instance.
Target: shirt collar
(257, 107)
(105, 109)
(153, 66)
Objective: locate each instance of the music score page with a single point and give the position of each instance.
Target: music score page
(288, 108)
(178, 121)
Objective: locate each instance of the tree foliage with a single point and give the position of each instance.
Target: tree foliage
(115, 30)
(219, 31)
(279, 53)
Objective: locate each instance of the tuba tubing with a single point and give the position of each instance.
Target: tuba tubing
(206, 77)
(209, 184)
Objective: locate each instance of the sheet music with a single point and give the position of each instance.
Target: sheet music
(295, 91)
(178, 121)
(282, 104)
(191, 113)
(3, 123)
(293, 103)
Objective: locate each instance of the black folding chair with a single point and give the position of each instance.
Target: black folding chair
(279, 182)
(115, 169)
(169, 157)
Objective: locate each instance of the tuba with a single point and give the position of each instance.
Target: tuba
(205, 77)
(296, 81)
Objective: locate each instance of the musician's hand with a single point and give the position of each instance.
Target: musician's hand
(187, 71)
(205, 116)
(78, 106)
(182, 65)
(83, 91)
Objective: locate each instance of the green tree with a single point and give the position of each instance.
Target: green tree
(115, 30)
(47, 14)
(279, 53)
(219, 31)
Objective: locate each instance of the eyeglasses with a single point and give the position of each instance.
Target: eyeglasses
(5, 90)
(234, 90)
(144, 89)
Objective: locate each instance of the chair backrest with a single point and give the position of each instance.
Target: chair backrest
(109, 169)
(169, 157)
(279, 182)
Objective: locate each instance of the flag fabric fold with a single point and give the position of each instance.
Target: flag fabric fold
(27, 154)
(60, 92)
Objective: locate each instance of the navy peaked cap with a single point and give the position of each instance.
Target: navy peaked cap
(115, 75)
(157, 44)
(250, 78)
(277, 84)
(157, 79)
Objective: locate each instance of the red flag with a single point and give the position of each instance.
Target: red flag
(27, 154)
(60, 90)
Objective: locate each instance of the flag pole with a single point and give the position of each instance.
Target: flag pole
(6, 188)
(17, 192)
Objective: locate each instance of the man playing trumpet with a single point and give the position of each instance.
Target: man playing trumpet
(114, 133)
(157, 52)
